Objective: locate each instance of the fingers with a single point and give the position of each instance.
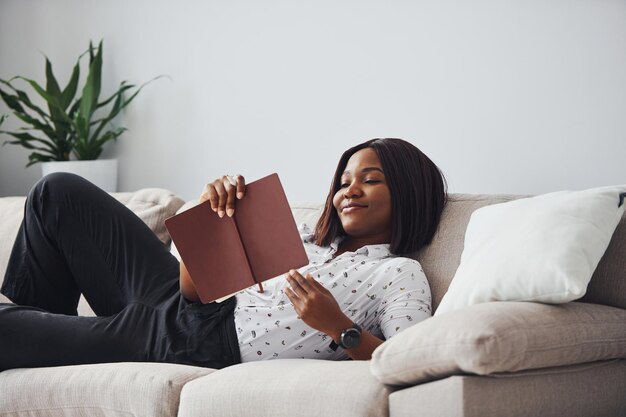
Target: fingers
(230, 192)
(241, 186)
(222, 194)
(312, 302)
(293, 298)
(299, 285)
(296, 294)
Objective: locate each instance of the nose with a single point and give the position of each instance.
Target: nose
(352, 190)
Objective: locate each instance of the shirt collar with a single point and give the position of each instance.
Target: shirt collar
(371, 251)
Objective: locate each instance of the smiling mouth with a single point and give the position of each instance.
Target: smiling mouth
(350, 208)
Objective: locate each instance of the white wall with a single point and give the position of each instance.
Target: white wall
(514, 96)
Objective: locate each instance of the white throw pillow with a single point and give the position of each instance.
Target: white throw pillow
(543, 248)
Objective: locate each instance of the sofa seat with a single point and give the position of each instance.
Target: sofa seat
(592, 389)
(108, 390)
(287, 387)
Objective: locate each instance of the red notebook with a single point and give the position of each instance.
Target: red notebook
(226, 255)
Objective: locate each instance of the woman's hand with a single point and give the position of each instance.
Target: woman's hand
(222, 193)
(315, 305)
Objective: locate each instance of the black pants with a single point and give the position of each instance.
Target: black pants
(74, 239)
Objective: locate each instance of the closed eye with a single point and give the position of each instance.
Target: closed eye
(345, 184)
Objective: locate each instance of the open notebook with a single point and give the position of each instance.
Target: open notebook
(226, 255)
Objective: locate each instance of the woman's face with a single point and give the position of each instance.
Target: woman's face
(363, 201)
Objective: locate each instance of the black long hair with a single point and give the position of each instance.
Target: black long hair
(418, 195)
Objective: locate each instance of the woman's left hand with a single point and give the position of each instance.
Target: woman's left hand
(315, 305)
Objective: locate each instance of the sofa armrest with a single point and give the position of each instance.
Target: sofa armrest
(590, 389)
(501, 337)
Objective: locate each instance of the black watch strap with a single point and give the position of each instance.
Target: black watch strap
(334, 345)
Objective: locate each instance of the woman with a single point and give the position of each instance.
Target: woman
(385, 200)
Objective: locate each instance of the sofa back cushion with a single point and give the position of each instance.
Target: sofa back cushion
(442, 257)
(608, 284)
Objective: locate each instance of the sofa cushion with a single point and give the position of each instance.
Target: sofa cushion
(153, 206)
(608, 284)
(115, 389)
(286, 388)
(543, 248)
(307, 213)
(501, 337)
(592, 389)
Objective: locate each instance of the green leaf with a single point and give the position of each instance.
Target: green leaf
(119, 105)
(123, 87)
(70, 90)
(11, 101)
(35, 157)
(27, 145)
(57, 110)
(50, 99)
(74, 109)
(91, 48)
(43, 93)
(91, 90)
(30, 142)
(37, 124)
(27, 136)
(57, 131)
(23, 98)
(82, 127)
(52, 87)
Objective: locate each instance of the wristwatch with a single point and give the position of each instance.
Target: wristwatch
(350, 338)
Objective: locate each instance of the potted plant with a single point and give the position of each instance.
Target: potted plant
(69, 135)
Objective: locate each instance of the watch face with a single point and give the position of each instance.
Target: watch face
(351, 338)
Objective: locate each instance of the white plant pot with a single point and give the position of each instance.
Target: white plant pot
(101, 172)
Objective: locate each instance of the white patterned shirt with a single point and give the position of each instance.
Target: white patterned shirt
(382, 293)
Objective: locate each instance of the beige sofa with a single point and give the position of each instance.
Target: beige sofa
(491, 359)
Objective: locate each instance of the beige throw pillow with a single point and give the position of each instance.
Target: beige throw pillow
(501, 337)
(153, 206)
